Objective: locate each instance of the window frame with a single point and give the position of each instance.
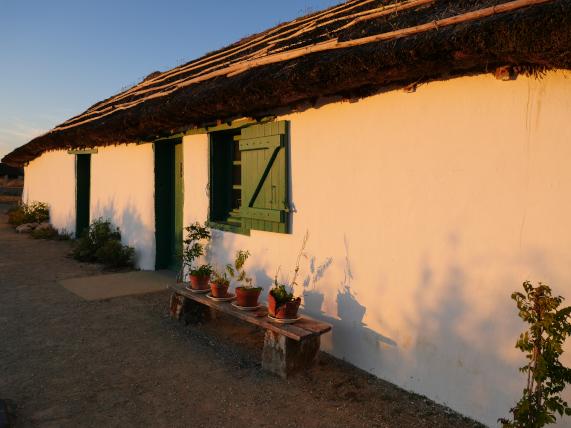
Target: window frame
(245, 223)
(218, 224)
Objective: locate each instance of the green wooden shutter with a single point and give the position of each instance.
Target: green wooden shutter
(265, 190)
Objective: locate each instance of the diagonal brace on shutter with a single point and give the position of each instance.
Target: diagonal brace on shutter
(274, 143)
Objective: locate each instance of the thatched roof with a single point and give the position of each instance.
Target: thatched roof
(352, 50)
(10, 171)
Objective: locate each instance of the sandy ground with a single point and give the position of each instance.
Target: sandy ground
(66, 362)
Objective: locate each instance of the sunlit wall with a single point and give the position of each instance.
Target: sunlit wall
(51, 179)
(425, 211)
(122, 190)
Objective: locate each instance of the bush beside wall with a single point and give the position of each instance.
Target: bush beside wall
(34, 212)
(101, 243)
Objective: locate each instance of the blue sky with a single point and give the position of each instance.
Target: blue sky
(58, 57)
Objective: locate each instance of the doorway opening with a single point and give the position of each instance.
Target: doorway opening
(169, 195)
(82, 192)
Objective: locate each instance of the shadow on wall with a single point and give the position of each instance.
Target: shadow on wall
(351, 338)
(220, 251)
(455, 356)
(454, 340)
(457, 352)
(63, 222)
(133, 231)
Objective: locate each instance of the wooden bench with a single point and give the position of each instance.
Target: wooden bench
(288, 348)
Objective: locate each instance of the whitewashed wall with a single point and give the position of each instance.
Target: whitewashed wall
(122, 190)
(425, 211)
(51, 179)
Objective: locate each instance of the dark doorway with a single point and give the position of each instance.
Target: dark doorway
(82, 191)
(169, 195)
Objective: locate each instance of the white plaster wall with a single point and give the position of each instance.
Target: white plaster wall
(425, 211)
(122, 190)
(50, 178)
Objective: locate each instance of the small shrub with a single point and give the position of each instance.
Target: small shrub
(115, 255)
(50, 233)
(16, 216)
(93, 238)
(44, 233)
(34, 212)
(101, 243)
(37, 212)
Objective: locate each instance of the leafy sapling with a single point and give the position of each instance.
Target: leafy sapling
(236, 270)
(193, 248)
(246, 294)
(542, 343)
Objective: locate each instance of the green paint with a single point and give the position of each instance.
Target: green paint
(265, 177)
(178, 204)
(168, 203)
(258, 154)
(82, 192)
(82, 151)
(225, 190)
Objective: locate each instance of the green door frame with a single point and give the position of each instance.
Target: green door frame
(82, 192)
(169, 194)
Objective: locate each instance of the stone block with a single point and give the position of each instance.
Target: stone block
(189, 311)
(26, 227)
(285, 357)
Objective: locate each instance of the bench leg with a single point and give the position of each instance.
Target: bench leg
(189, 311)
(284, 356)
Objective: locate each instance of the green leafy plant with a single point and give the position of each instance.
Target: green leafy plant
(236, 270)
(549, 326)
(101, 243)
(282, 293)
(34, 212)
(115, 255)
(202, 270)
(37, 212)
(194, 247)
(220, 279)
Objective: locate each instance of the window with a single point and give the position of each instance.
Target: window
(249, 178)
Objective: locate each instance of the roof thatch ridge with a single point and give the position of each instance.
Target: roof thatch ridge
(363, 33)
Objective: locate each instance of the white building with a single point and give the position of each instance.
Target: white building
(424, 147)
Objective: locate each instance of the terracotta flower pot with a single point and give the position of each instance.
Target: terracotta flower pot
(247, 297)
(286, 310)
(218, 290)
(199, 282)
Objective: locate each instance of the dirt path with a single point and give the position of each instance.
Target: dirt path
(122, 362)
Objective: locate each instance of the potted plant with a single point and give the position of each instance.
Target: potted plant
(282, 304)
(199, 278)
(193, 248)
(246, 294)
(219, 285)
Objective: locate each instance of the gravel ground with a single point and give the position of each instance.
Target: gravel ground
(65, 362)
